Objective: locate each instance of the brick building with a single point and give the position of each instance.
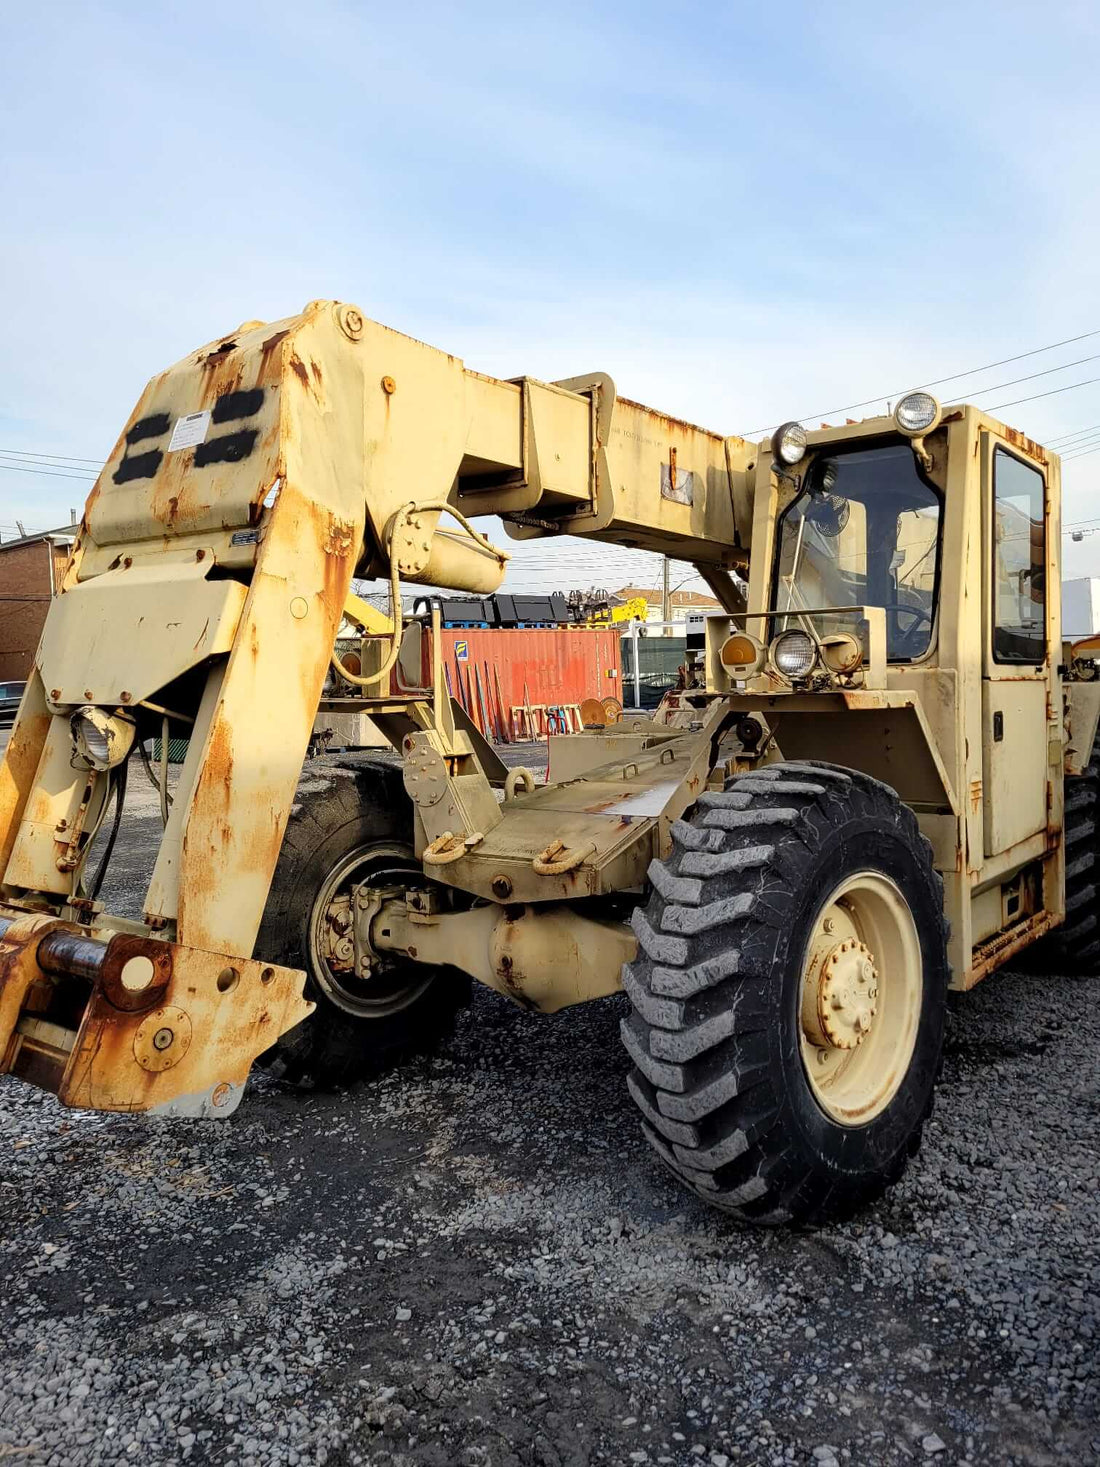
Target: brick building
(30, 568)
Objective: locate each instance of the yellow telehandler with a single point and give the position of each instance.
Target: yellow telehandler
(885, 788)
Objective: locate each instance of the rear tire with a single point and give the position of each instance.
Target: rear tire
(351, 820)
(1076, 944)
(734, 938)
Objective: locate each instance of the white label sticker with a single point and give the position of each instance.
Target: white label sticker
(189, 430)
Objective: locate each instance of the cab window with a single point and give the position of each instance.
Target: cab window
(1019, 561)
(865, 532)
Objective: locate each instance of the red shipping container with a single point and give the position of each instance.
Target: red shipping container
(559, 664)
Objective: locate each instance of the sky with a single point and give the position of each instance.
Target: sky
(745, 213)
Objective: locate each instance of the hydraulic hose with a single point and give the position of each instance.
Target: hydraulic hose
(366, 680)
(120, 796)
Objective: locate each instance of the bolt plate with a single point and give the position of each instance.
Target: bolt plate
(425, 774)
(848, 993)
(147, 1053)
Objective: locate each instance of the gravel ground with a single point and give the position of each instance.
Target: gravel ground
(478, 1261)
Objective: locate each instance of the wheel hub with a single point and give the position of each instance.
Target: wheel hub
(860, 997)
(841, 1000)
(352, 976)
(335, 935)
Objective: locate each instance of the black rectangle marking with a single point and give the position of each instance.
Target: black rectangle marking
(238, 404)
(150, 427)
(230, 448)
(138, 466)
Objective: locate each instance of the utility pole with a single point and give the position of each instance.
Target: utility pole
(666, 599)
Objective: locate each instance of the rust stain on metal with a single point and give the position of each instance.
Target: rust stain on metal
(219, 352)
(298, 367)
(121, 951)
(20, 975)
(1026, 445)
(505, 965)
(267, 352)
(147, 1001)
(340, 535)
(991, 955)
(666, 421)
(975, 795)
(338, 538)
(212, 818)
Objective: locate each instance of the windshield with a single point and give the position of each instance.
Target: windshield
(867, 534)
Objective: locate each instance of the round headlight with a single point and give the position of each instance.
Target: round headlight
(917, 412)
(794, 654)
(789, 443)
(841, 652)
(101, 739)
(741, 655)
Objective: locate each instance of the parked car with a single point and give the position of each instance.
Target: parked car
(10, 694)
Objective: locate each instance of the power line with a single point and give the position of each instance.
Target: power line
(939, 381)
(1077, 433)
(49, 473)
(1072, 448)
(1083, 454)
(32, 463)
(1082, 437)
(1088, 382)
(1049, 372)
(62, 457)
(1071, 524)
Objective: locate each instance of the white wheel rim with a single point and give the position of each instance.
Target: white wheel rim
(860, 998)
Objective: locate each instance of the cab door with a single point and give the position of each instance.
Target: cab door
(1018, 640)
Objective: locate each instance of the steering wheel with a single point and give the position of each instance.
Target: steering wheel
(905, 640)
(920, 612)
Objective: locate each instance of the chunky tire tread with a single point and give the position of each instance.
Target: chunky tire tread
(703, 988)
(344, 801)
(1075, 945)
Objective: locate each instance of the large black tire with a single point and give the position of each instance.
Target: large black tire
(716, 989)
(1076, 944)
(345, 805)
